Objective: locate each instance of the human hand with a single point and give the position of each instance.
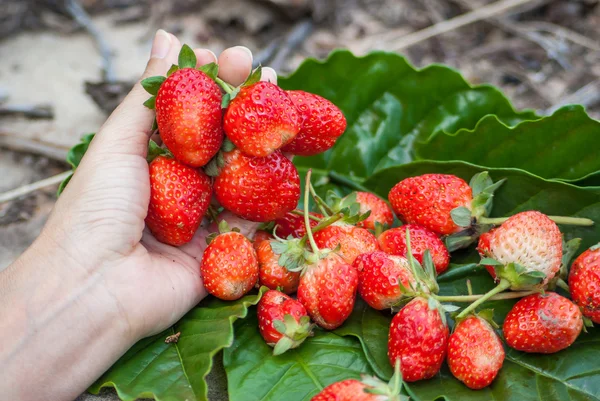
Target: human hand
(101, 213)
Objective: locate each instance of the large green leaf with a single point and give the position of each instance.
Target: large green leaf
(389, 105)
(177, 371)
(557, 146)
(254, 374)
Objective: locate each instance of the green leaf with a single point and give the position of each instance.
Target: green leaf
(389, 105)
(461, 216)
(177, 371)
(211, 69)
(77, 152)
(152, 84)
(254, 76)
(187, 57)
(74, 156)
(63, 185)
(557, 146)
(254, 373)
(367, 325)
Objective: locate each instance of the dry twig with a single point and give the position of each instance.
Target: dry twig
(18, 144)
(587, 96)
(28, 110)
(396, 40)
(34, 186)
(295, 37)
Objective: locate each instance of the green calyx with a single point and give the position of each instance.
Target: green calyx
(223, 227)
(517, 275)
(595, 247)
(483, 189)
(214, 166)
(346, 206)
(294, 333)
(74, 156)
(425, 275)
(390, 391)
(154, 151)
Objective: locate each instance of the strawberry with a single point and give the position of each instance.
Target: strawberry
(229, 266)
(259, 237)
(446, 205)
(352, 240)
(393, 241)
(271, 274)
(379, 275)
(475, 352)
(526, 250)
(327, 290)
(179, 198)
(282, 321)
(584, 283)
(293, 224)
(367, 389)
(322, 124)
(418, 338)
(380, 211)
(257, 188)
(261, 119)
(427, 200)
(188, 114)
(542, 323)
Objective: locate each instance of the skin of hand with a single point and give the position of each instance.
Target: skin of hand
(95, 281)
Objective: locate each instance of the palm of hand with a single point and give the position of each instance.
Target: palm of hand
(102, 212)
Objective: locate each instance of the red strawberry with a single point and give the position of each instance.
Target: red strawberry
(368, 389)
(322, 124)
(475, 352)
(257, 188)
(271, 274)
(529, 241)
(393, 241)
(261, 119)
(259, 237)
(542, 323)
(179, 198)
(380, 210)
(293, 224)
(229, 266)
(379, 276)
(327, 290)
(427, 200)
(188, 113)
(282, 321)
(584, 283)
(418, 338)
(352, 240)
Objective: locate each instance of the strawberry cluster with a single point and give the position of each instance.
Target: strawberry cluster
(235, 143)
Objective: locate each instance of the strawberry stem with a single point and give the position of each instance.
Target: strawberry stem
(311, 239)
(560, 283)
(323, 206)
(502, 285)
(472, 298)
(224, 85)
(572, 221)
(301, 213)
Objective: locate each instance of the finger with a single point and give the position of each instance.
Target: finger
(128, 128)
(204, 56)
(268, 74)
(235, 65)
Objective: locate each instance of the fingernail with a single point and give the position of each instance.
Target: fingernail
(161, 44)
(246, 50)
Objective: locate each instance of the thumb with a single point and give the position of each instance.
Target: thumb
(128, 128)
